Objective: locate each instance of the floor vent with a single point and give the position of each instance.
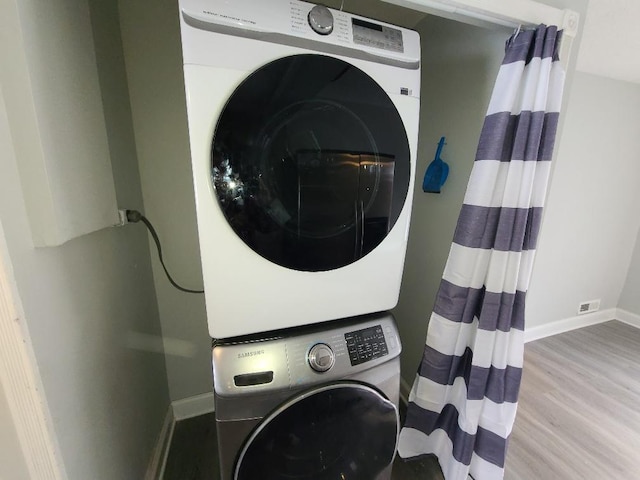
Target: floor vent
(589, 307)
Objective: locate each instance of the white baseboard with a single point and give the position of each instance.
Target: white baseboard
(161, 451)
(629, 318)
(193, 406)
(568, 324)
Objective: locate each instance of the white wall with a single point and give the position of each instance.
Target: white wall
(12, 462)
(151, 39)
(591, 221)
(630, 297)
(87, 302)
(459, 66)
(48, 63)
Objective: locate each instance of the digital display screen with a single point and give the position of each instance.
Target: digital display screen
(366, 344)
(377, 36)
(369, 25)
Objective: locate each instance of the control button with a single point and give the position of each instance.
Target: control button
(321, 357)
(321, 20)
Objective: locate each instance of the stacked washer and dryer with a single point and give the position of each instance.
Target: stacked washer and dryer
(303, 125)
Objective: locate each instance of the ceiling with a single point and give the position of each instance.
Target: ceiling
(610, 43)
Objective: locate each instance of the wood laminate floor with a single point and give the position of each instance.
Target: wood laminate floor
(578, 418)
(579, 411)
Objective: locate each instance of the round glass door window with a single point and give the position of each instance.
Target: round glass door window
(340, 431)
(310, 163)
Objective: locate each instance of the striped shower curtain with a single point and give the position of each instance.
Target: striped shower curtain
(463, 402)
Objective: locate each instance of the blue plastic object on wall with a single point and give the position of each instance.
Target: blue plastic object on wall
(437, 172)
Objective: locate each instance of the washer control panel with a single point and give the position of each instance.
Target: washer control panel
(366, 344)
(300, 357)
(321, 357)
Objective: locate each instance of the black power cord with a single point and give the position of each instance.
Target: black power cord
(134, 216)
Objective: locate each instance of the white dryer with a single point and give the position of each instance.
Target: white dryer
(303, 125)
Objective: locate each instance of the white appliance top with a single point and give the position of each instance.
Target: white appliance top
(307, 25)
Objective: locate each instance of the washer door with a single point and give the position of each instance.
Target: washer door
(310, 162)
(339, 431)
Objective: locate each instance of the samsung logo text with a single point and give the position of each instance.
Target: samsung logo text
(251, 354)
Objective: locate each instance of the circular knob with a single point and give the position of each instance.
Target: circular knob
(321, 20)
(321, 357)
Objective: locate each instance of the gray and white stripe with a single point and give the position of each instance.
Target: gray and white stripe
(463, 401)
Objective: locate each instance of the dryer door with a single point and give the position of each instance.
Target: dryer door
(342, 430)
(310, 162)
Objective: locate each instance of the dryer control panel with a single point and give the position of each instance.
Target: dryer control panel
(377, 35)
(307, 25)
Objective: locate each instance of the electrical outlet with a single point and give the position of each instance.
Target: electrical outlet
(122, 218)
(589, 307)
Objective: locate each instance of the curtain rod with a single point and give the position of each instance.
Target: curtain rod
(498, 12)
